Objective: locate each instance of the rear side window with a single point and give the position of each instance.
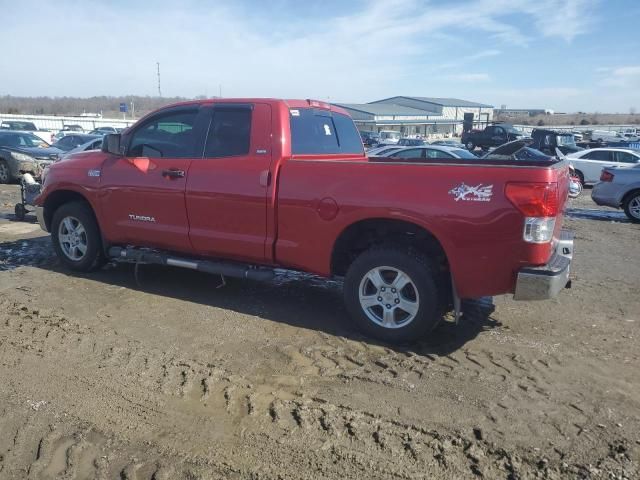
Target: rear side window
(229, 133)
(323, 132)
(624, 157)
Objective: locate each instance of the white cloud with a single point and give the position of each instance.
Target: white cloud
(373, 51)
(470, 77)
(623, 77)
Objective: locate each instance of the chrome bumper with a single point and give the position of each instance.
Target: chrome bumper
(40, 217)
(542, 283)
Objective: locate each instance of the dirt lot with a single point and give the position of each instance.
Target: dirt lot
(101, 377)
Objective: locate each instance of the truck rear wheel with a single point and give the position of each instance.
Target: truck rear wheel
(470, 146)
(76, 237)
(392, 295)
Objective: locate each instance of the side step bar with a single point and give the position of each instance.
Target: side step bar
(146, 256)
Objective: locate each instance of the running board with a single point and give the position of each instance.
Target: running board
(226, 269)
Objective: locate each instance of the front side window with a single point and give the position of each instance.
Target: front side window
(601, 155)
(168, 135)
(432, 153)
(229, 133)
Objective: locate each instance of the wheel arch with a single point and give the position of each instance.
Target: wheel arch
(58, 198)
(363, 234)
(634, 190)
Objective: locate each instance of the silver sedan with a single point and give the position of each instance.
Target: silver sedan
(619, 187)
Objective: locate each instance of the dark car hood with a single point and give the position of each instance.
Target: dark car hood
(49, 153)
(511, 147)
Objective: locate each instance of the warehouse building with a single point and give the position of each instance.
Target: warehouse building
(418, 116)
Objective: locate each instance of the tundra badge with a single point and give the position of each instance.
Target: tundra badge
(141, 218)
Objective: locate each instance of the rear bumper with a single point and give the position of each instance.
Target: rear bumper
(547, 281)
(606, 194)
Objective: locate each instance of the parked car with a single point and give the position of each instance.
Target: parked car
(448, 143)
(23, 152)
(410, 142)
(369, 139)
(68, 130)
(433, 152)
(22, 126)
(550, 141)
(268, 185)
(389, 137)
(589, 163)
(69, 142)
(518, 150)
(491, 136)
(103, 130)
(93, 144)
(606, 136)
(383, 150)
(619, 187)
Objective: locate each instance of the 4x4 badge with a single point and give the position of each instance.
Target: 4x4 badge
(469, 193)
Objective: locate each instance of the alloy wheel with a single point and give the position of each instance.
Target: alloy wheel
(72, 237)
(388, 297)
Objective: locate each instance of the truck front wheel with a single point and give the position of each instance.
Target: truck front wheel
(392, 294)
(76, 237)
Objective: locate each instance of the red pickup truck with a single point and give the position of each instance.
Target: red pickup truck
(238, 187)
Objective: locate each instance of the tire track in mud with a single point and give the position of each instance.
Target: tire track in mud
(268, 408)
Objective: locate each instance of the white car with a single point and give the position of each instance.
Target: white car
(389, 137)
(589, 163)
(433, 151)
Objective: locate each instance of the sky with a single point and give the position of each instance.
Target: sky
(571, 55)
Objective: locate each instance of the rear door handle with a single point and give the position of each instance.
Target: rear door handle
(173, 173)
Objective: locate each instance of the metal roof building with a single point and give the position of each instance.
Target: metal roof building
(417, 116)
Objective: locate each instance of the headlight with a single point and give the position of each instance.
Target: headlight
(21, 157)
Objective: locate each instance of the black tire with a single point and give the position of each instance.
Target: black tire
(5, 173)
(20, 211)
(93, 258)
(629, 202)
(421, 273)
(580, 176)
(470, 146)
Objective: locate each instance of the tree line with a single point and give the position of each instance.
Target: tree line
(73, 106)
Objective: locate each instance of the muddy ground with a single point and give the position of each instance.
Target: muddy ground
(171, 378)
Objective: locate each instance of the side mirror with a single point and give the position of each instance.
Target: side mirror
(111, 144)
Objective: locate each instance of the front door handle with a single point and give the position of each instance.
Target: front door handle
(173, 173)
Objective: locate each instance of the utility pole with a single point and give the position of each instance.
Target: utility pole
(159, 90)
(133, 110)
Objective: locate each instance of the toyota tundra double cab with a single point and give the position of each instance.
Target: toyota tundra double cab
(240, 187)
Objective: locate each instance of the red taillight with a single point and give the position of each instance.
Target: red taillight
(534, 199)
(606, 176)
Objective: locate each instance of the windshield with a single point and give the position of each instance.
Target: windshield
(566, 140)
(28, 140)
